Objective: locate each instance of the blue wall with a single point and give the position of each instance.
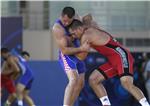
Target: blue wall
(11, 34)
(49, 85)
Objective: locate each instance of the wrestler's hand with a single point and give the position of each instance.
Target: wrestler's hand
(85, 47)
(87, 19)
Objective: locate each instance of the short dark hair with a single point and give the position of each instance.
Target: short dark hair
(69, 11)
(75, 24)
(25, 53)
(4, 50)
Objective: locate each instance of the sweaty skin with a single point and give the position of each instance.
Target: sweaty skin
(94, 37)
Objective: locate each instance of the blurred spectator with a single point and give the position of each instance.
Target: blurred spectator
(139, 79)
(146, 68)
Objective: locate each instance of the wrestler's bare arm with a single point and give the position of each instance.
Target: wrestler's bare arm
(12, 61)
(5, 69)
(83, 55)
(62, 42)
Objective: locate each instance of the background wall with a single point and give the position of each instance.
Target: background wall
(45, 47)
(12, 32)
(38, 43)
(128, 21)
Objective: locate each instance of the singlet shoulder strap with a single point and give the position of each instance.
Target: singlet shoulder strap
(65, 28)
(60, 23)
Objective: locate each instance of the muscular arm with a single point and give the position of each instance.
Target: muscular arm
(5, 69)
(12, 61)
(7, 72)
(82, 55)
(63, 43)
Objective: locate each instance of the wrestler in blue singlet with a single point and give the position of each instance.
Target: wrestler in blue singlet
(71, 62)
(26, 77)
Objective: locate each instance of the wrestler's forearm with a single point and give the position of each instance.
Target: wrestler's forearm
(6, 72)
